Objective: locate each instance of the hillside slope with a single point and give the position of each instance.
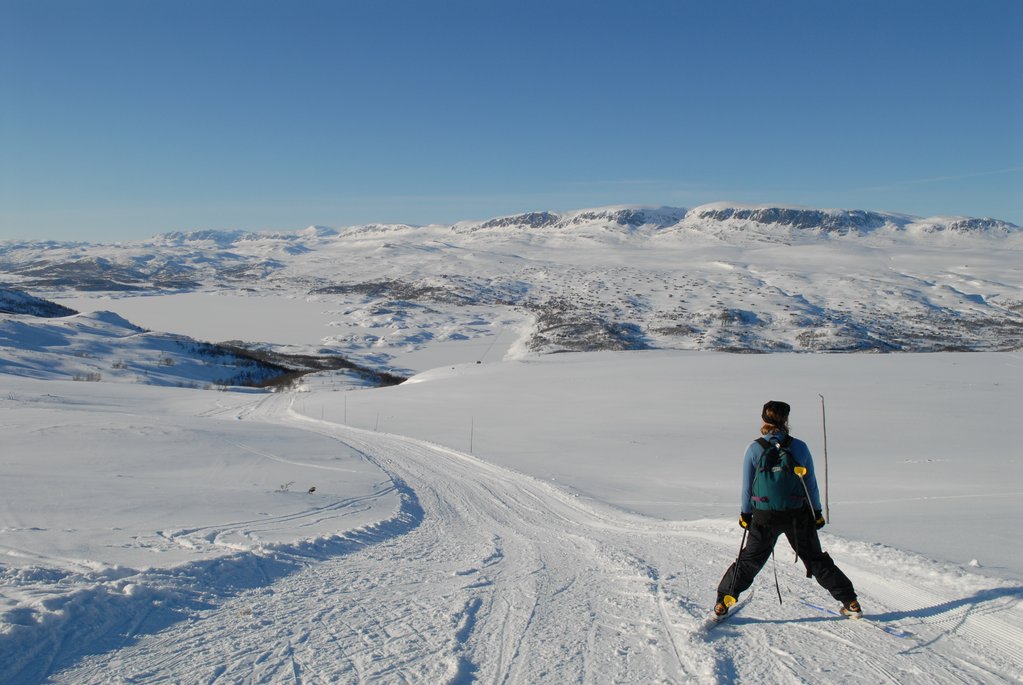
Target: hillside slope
(498, 577)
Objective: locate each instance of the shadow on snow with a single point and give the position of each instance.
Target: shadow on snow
(107, 616)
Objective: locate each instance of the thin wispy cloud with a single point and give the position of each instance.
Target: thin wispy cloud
(941, 179)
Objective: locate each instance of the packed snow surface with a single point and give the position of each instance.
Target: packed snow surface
(581, 540)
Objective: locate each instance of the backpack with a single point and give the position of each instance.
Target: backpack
(776, 487)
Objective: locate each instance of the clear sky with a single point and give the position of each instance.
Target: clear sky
(120, 119)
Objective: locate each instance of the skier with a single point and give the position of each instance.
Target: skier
(779, 500)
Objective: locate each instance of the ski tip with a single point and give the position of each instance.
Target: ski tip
(897, 632)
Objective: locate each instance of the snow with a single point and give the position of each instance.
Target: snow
(103, 345)
(140, 474)
(661, 433)
(502, 516)
(581, 541)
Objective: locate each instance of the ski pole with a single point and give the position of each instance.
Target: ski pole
(801, 472)
(729, 599)
(777, 587)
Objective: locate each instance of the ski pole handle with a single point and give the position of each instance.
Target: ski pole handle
(801, 472)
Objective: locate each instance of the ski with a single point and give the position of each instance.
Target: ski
(891, 630)
(712, 621)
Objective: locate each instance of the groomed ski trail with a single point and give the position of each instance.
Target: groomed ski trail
(506, 579)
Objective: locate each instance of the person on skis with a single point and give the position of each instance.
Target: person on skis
(780, 495)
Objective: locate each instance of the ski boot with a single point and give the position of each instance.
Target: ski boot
(723, 605)
(851, 609)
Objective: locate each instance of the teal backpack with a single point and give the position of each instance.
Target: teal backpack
(776, 487)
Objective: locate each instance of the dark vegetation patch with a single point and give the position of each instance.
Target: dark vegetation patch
(291, 367)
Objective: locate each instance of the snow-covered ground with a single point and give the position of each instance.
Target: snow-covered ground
(581, 543)
(505, 517)
(920, 451)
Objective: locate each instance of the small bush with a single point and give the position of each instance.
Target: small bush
(91, 377)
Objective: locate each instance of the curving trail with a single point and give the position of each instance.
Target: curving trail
(502, 578)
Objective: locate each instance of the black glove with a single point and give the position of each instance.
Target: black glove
(745, 519)
(818, 519)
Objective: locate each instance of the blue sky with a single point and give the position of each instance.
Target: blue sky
(120, 119)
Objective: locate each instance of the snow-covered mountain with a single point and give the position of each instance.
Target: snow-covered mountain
(720, 276)
(104, 346)
(44, 340)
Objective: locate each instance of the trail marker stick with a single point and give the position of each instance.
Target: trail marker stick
(824, 423)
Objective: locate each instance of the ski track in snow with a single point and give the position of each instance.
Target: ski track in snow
(502, 578)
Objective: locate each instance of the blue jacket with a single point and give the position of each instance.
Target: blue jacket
(800, 452)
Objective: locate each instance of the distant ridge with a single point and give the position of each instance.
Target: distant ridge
(633, 217)
(828, 221)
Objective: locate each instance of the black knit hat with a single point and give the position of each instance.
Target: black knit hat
(775, 412)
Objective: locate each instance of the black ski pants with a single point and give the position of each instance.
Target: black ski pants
(802, 535)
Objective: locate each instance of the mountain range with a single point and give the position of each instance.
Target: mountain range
(720, 276)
